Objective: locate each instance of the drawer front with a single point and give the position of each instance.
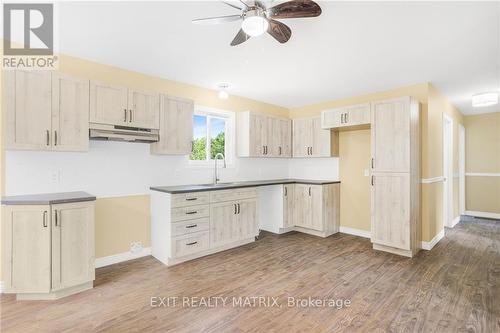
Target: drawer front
(190, 244)
(190, 199)
(190, 213)
(233, 194)
(190, 226)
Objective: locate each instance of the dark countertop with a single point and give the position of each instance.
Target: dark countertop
(47, 198)
(225, 186)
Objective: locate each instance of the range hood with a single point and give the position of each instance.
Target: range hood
(122, 133)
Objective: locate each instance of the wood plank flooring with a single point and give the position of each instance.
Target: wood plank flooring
(453, 288)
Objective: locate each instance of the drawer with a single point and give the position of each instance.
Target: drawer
(233, 194)
(190, 244)
(190, 226)
(189, 199)
(190, 213)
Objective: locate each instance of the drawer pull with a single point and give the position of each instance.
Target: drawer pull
(191, 199)
(192, 226)
(192, 243)
(193, 212)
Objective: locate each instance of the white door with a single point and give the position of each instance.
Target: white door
(70, 113)
(108, 104)
(72, 244)
(144, 109)
(448, 170)
(461, 168)
(27, 106)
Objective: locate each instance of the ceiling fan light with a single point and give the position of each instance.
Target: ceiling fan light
(484, 99)
(254, 25)
(223, 94)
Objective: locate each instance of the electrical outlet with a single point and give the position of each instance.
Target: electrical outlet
(136, 247)
(367, 173)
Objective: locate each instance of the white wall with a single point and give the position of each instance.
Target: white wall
(122, 168)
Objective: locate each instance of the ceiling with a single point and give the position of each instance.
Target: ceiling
(351, 49)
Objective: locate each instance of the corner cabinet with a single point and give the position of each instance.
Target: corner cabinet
(262, 135)
(48, 250)
(311, 140)
(45, 111)
(176, 127)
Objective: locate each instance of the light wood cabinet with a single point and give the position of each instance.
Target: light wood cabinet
(395, 194)
(262, 135)
(176, 127)
(45, 111)
(348, 117)
(288, 205)
(223, 224)
(247, 219)
(119, 105)
(48, 250)
(310, 140)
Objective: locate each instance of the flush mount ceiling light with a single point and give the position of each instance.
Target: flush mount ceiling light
(484, 99)
(257, 18)
(223, 94)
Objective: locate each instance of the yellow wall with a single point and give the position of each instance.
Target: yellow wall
(482, 155)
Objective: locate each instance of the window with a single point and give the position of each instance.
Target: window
(211, 135)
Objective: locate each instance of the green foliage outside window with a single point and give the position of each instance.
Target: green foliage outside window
(217, 145)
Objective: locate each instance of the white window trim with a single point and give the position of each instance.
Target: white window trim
(230, 140)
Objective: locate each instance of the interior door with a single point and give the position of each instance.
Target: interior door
(72, 244)
(108, 104)
(144, 109)
(248, 220)
(391, 209)
(302, 203)
(288, 205)
(27, 100)
(224, 227)
(390, 136)
(70, 113)
(26, 247)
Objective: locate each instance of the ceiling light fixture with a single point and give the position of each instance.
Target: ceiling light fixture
(255, 22)
(223, 94)
(484, 99)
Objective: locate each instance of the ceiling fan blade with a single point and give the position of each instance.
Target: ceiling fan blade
(231, 5)
(217, 20)
(260, 4)
(281, 32)
(240, 37)
(295, 9)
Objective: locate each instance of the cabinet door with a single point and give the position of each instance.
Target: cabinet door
(285, 138)
(391, 210)
(357, 115)
(248, 220)
(26, 249)
(72, 244)
(316, 195)
(70, 113)
(390, 135)
(302, 137)
(288, 205)
(258, 134)
(332, 118)
(274, 134)
(302, 203)
(176, 127)
(108, 104)
(27, 107)
(144, 109)
(320, 146)
(223, 224)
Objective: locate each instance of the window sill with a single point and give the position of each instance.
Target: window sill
(209, 164)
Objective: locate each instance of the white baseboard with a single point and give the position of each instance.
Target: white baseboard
(355, 232)
(429, 245)
(1, 287)
(483, 214)
(116, 258)
(455, 221)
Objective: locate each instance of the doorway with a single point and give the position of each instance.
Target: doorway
(447, 170)
(461, 169)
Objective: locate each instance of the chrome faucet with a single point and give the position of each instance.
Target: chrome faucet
(216, 173)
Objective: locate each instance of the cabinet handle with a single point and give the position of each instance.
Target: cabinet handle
(191, 226)
(373, 182)
(130, 120)
(309, 190)
(192, 243)
(286, 192)
(45, 219)
(341, 118)
(372, 162)
(55, 138)
(125, 115)
(55, 217)
(192, 212)
(235, 209)
(311, 150)
(280, 150)
(239, 208)
(48, 137)
(346, 118)
(191, 199)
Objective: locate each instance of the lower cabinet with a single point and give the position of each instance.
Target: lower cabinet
(48, 250)
(288, 205)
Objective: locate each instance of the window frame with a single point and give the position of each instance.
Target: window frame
(229, 139)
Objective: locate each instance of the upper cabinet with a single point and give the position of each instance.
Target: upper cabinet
(117, 105)
(176, 126)
(45, 111)
(310, 140)
(261, 135)
(349, 117)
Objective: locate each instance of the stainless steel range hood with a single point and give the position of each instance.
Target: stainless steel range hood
(122, 133)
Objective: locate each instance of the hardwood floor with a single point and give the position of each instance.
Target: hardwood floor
(453, 288)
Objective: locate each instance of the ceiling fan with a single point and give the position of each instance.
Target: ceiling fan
(257, 18)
